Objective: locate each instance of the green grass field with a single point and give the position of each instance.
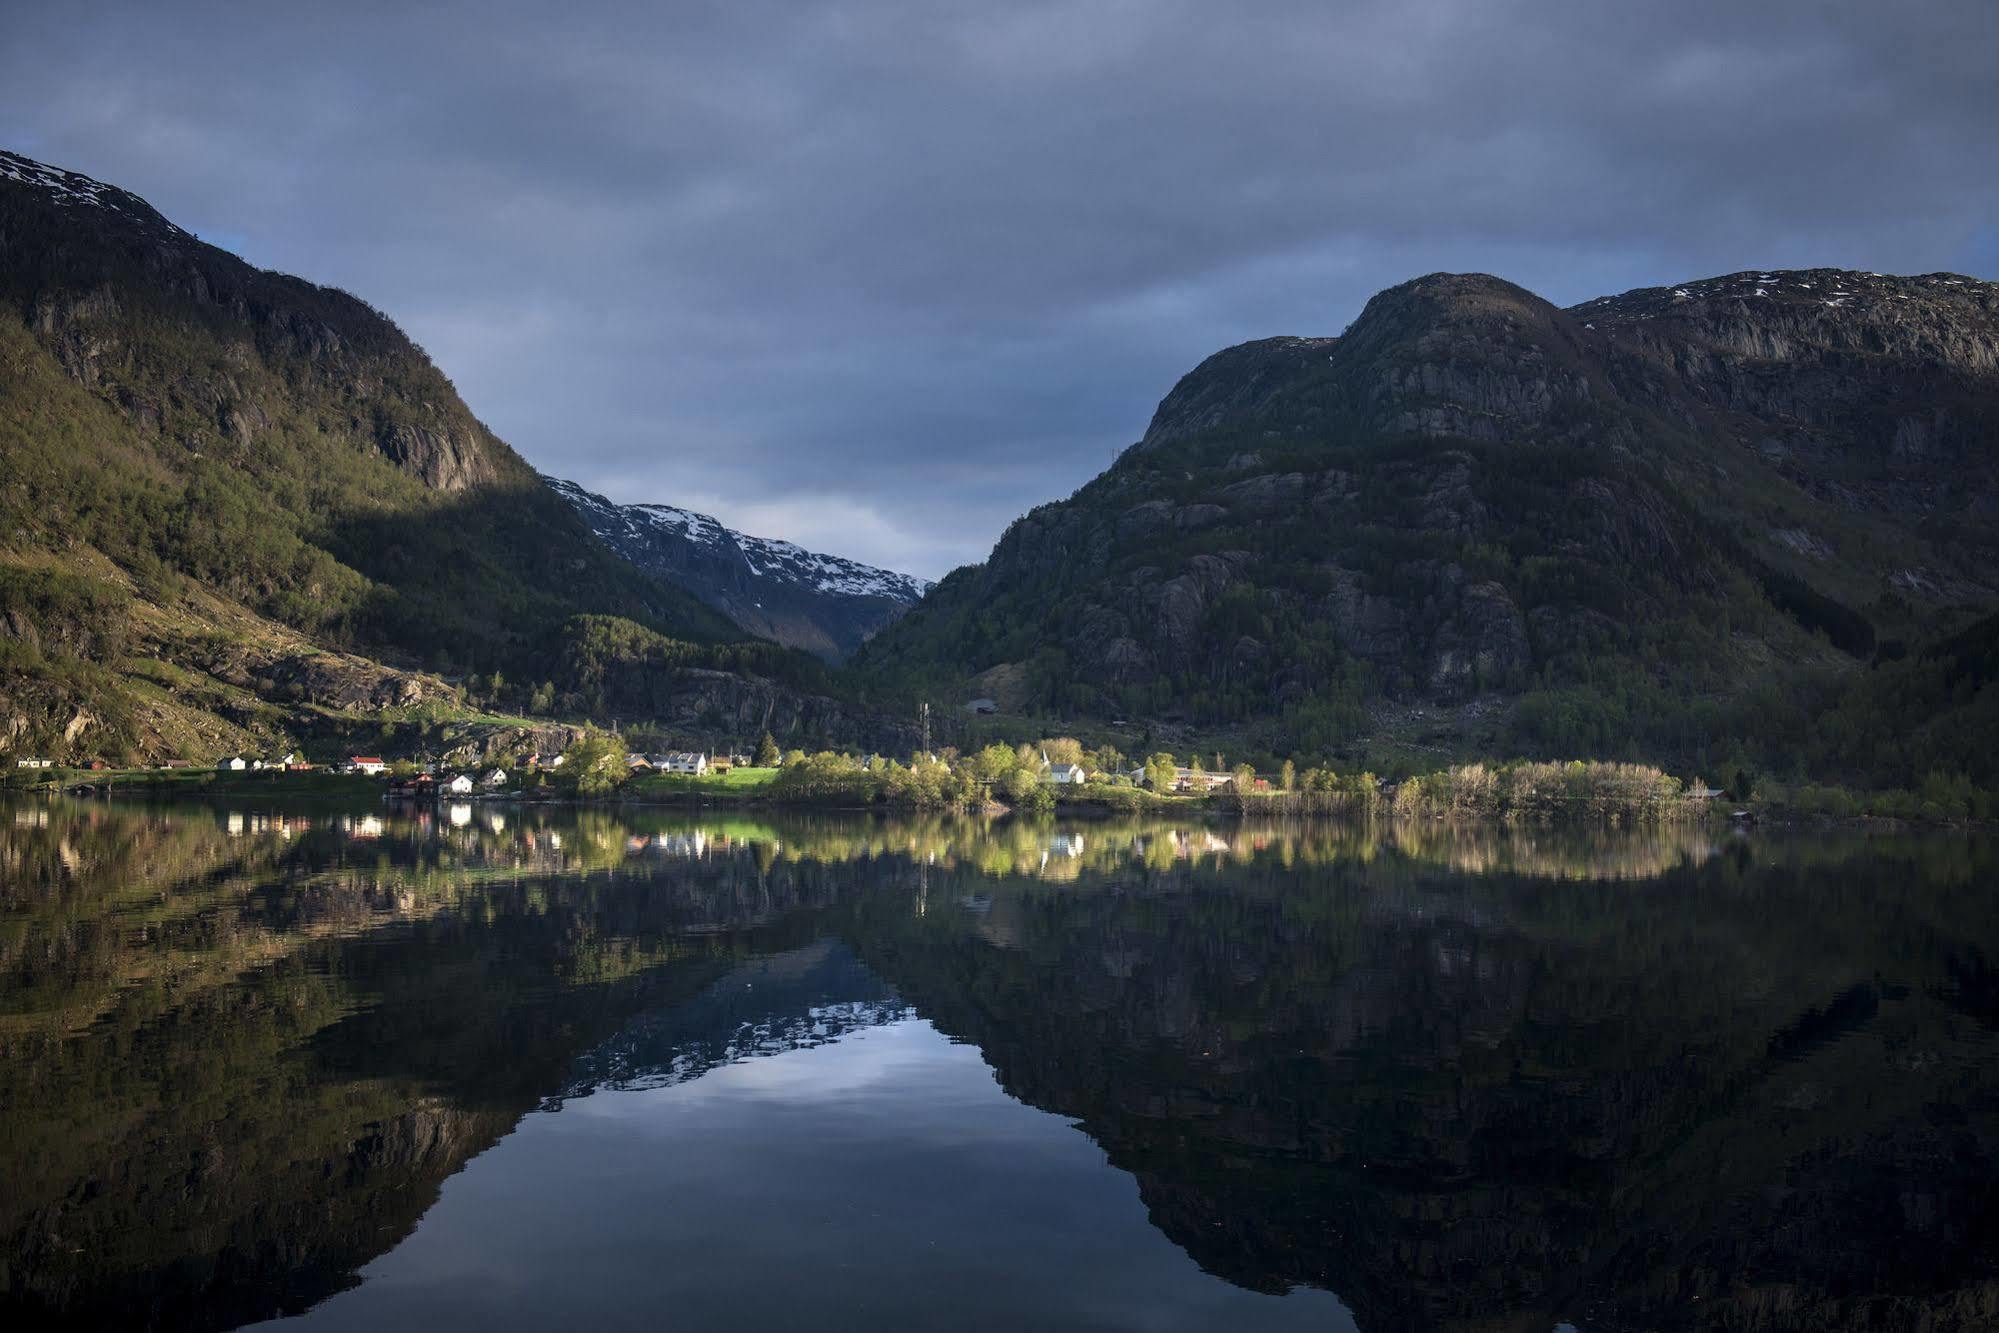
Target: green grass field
(735, 782)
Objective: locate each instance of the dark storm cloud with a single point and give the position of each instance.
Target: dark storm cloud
(878, 276)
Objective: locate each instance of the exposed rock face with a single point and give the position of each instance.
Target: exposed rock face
(1471, 490)
(445, 461)
(329, 680)
(826, 605)
(1483, 641)
(485, 743)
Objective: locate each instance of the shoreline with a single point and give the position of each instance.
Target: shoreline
(318, 788)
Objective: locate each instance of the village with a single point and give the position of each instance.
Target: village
(1060, 764)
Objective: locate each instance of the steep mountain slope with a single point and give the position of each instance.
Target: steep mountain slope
(220, 480)
(824, 604)
(1648, 523)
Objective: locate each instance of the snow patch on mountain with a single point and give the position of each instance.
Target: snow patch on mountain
(767, 557)
(73, 188)
(1827, 288)
(826, 605)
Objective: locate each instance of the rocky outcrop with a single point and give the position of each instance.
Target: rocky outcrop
(729, 711)
(328, 680)
(444, 460)
(1482, 643)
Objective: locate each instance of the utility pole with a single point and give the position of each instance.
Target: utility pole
(924, 708)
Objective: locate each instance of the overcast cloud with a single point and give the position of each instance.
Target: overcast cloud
(879, 276)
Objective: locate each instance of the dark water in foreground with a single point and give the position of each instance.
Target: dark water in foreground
(516, 1069)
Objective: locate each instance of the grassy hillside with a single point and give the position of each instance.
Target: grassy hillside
(217, 477)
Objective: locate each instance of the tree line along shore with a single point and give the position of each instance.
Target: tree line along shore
(1060, 773)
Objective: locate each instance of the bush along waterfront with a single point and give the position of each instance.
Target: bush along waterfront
(1579, 790)
(1058, 773)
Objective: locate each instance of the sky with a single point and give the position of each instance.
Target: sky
(879, 276)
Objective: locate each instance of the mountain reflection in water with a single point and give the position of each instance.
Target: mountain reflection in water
(1456, 1078)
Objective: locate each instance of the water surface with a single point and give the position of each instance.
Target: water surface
(505, 1067)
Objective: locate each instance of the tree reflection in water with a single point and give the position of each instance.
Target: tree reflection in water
(1465, 1078)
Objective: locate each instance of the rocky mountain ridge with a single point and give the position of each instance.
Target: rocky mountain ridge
(1609, 526)
(826, 605)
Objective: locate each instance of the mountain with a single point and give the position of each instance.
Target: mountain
(825, 605)
(1737, 520)
(239, 507)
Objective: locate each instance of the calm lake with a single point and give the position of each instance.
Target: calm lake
(508, 1067)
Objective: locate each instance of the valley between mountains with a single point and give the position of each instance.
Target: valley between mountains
(1744, 523)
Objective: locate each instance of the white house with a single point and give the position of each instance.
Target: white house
(234, 764)
(682, 761)
(1062, 775)
(366, 763)
(34, 763)
(458, 784)
(496, 777)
